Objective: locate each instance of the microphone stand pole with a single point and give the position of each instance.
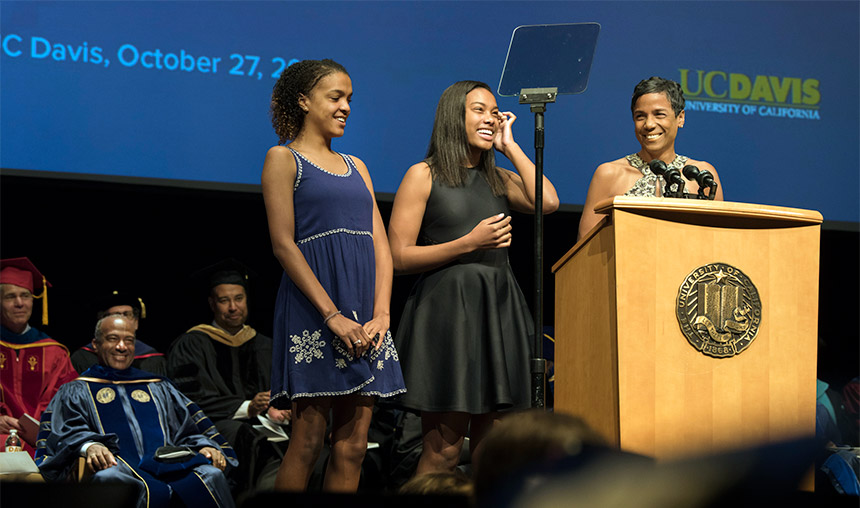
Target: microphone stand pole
(538, 98)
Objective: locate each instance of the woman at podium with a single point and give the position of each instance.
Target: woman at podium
(464, 334)
(658, 113)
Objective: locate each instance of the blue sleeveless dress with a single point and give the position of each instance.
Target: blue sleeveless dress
(334, 232)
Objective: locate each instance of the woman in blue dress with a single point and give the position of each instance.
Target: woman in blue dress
(332, 351)
(464, 336)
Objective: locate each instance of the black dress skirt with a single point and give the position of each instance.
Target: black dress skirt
(465, 334)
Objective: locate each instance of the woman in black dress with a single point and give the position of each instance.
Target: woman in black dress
(464, 334)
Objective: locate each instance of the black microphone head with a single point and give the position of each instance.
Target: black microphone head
(657, 167)
(690, 172)
(707, 178)
(672, 175)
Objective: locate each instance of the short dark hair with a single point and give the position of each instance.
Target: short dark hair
(656, 84)
(296, 80)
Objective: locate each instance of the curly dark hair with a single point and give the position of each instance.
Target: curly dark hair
(296, 80)
(656, 84)
(449, 146)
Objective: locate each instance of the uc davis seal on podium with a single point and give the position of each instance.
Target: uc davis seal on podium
(719, 310)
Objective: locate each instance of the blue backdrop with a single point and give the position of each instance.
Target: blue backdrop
(180, 90)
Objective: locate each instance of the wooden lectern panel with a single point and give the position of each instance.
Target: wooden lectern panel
(622, 362)
(595, 385)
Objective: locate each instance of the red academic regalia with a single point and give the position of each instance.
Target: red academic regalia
(32, 368)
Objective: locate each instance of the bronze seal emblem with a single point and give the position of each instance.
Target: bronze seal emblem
(719, 310)
(140, 396)
(105, 395)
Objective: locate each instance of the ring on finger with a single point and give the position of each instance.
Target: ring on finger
(358, 342)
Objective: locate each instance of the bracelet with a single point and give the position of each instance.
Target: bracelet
(333, 314)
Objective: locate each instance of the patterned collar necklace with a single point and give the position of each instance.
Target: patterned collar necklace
(636, 161)
(647, 185)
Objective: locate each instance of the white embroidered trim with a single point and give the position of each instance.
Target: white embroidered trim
(333, 232)
(363, 393)
(298, 172)
(346, 158)
(278, 395)
(325, 394)
(349, 163)
(380, 394)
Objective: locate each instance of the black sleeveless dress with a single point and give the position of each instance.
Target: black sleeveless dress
(464, 337)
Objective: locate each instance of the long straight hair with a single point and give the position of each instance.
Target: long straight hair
(449, 146)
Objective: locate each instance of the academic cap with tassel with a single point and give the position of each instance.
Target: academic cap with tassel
(23, 273)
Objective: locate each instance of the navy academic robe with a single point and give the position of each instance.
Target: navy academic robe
(133, 413)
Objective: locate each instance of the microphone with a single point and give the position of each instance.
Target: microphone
(657, 167)
(671, 175)
(704, 178)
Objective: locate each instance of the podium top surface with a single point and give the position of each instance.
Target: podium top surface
(695, 206)
(700, 212)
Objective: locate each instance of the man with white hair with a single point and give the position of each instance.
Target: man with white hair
(32, 365)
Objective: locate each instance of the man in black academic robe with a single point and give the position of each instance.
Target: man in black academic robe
(225, 367)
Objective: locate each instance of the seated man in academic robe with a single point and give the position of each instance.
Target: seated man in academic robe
(146, 357)
(32, 365)
(225, 368)
(122, 419)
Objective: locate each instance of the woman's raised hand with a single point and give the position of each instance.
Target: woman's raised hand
(504, 134)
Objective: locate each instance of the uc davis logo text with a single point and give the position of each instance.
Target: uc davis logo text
(733, 93)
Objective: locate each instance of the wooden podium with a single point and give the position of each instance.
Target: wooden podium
(622, 361)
